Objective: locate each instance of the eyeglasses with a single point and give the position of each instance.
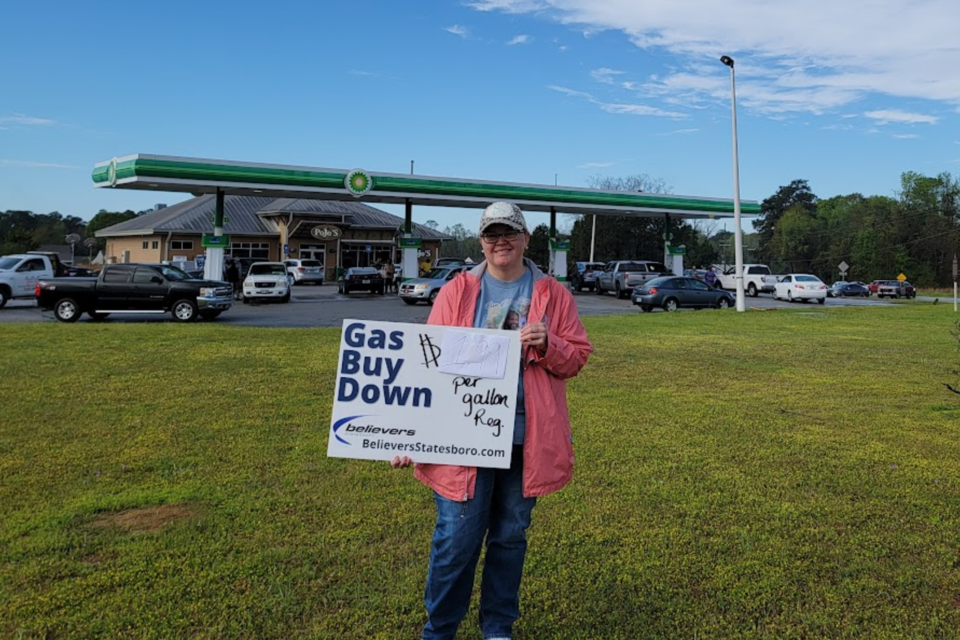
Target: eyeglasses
(493, 238)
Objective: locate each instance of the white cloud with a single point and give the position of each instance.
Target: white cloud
(508, 6)
(520, 39)
(33, 165)
(900, 117)
(617, 107)
(595, 165)
(359, 72)
(19, 118)
(457, 30)
(678, 132)
(814, 56)
(605, 75)
(905, 136)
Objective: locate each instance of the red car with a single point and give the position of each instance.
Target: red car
(873, 286)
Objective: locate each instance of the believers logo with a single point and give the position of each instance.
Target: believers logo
(345, 423)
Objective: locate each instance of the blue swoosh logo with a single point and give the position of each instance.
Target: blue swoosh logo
(339, 423)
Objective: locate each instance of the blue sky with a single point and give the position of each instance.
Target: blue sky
(846, 95)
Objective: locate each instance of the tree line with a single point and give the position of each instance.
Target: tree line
(22, 231)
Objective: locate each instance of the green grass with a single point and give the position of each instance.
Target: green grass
(781, 474)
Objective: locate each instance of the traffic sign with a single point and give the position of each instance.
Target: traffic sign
(901, 277)
(843, 266)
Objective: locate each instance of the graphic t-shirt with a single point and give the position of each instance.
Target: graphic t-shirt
(505, 305)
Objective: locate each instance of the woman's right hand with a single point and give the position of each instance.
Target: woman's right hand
(400, 462)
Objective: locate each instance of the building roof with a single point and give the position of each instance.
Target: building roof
(251, 215)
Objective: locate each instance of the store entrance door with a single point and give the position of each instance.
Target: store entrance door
(313, 252)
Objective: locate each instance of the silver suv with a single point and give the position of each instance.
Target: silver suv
(305, 271)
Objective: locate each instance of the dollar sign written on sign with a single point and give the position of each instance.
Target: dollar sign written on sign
(430, 351)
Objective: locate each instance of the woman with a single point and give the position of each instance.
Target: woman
(506, 290)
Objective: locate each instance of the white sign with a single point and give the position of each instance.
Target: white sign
(843, 266)
(436, 394)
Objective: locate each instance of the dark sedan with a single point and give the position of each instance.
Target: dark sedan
(675, 292)
(851, 289)
(361, 279)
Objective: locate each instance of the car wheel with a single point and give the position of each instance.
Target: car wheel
(433, 296)
(184, 310)
(621, 294)
(345, 290)
(822, 301)
(4, 297)
(67, 310)
(752, 290)
(723, 303)
(789, 296)
(286, 298)
(671, 304)
(646, 308)
(599, 289)
(98, 316)
(381, 291)
(409, 301)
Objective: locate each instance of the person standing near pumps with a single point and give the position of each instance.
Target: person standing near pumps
(506, 289)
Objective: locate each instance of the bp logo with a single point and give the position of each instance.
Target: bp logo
(358, 182)
(112, 173)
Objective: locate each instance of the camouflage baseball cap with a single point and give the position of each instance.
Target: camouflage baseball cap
(503, 213)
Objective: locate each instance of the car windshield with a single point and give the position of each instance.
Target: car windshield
(437, 274)
(173, 273)
(268, 270)
(9, 263)
(362, 271)
(807, 279)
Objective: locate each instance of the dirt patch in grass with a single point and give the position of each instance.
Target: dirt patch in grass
(146, 519)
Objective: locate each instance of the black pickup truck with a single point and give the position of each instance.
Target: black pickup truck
(135, 288)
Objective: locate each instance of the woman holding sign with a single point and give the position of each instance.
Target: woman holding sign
(505, 291)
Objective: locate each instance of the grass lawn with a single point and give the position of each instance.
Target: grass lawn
(779, 474)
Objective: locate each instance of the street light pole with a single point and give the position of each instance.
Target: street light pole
(737, 231)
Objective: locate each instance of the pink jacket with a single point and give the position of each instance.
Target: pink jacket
(548, 448)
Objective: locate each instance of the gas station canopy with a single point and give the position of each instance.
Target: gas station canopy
(200, 175)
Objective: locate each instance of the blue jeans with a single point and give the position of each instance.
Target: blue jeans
(498, 511)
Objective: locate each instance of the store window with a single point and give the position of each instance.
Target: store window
(146, 244)
(255, 250)
(155, 245)
(182, 245)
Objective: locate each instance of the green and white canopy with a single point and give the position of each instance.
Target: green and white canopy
(201, 175)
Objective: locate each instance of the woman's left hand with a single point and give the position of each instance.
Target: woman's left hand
(534, 335)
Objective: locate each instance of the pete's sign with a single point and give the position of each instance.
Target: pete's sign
(325, 232)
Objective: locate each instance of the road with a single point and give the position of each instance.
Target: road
(322, 306)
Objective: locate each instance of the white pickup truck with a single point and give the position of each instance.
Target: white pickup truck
(757, 279)
(19, 274)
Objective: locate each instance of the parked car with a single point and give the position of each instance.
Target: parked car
(836, 285)
(305, 271)
(800, 286)
(583, 275)
(676, 292)
(449, 262)
(873, 286)
(361, 279)
(425, 289)
(848, 289)
(896, 289)
(135, 288)
(621, 276)
(267, 281)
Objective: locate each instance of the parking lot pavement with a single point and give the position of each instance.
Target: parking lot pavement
(322, 306)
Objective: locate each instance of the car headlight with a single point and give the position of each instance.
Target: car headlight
(207, 292)
(281, 283)
(248, 283)
(422, 287)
